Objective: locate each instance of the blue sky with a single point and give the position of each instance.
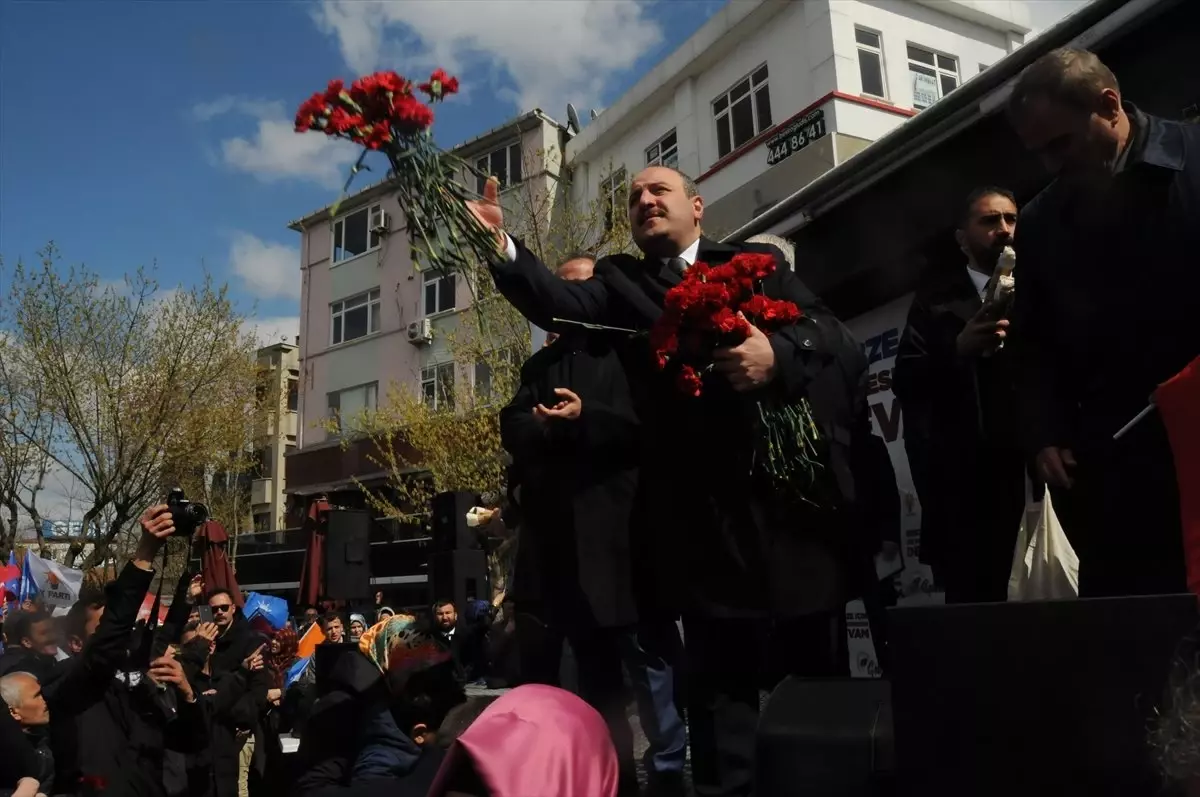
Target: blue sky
(139, 132)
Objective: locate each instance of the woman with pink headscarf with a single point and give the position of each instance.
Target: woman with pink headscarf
(535, 741)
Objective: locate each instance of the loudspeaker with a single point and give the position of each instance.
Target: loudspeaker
(459, 576)
(826, 737)
(450, 529)
(347, 555)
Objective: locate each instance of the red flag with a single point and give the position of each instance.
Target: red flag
(1178, 402)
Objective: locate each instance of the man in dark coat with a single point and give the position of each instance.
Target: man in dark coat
(31, 646)
(108, 727)
(574, 439)
(1106, 310)
(956, 387)
(722, 548)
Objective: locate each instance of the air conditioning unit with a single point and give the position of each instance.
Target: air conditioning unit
(420, 332)
(383, 223)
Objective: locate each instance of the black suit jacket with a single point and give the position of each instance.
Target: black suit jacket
(1108, 295)
(578, 480)
(960, 414)
(717, 541)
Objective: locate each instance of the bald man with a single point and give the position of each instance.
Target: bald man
(22, 694)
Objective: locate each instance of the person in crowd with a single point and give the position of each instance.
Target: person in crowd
(1105, 311)
(465, 637)
(574, 440)
(32, 645)
(393, 691)
(535, 739)
(236, 642)
(735, 557)
(331, 626)
(22, 694)
(311, 616)
(384, 613)
(358, 624)
(112, 716)
(957, 390)
(20, 765)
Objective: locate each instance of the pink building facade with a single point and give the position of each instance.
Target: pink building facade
(361, 295)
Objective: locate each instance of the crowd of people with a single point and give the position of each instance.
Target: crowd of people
(644, 543)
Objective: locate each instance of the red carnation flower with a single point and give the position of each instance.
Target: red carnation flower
(689, 381)
(440, 84)
(755, 265)
(409, 113)
(310, 113)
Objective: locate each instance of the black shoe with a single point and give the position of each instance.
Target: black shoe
(666, 784)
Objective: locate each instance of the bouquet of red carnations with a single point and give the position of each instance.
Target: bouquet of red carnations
(381, 112)
(713, 307)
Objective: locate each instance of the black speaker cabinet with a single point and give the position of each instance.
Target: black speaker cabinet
(348, 554)
(450, 529)
(826, 737)
(459, 576)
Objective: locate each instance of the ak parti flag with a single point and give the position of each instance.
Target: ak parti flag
(308, 643)
(1178, 402)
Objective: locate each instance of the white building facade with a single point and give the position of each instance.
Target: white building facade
(770, 94)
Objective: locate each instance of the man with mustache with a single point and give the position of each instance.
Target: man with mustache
(1105, 311)
(757, 580)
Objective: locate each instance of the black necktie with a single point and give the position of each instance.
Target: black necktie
(677, 265)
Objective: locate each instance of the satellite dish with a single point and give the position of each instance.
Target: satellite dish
(593, 113)
(572, 119)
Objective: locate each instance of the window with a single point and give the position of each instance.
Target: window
(439, 293)
(355, 233)
(933, 75)
(355, 317)
(262, 521)
(346, 405)
(293, 395)
(613, 195)
(870, 62)
(742, 113)
(437, 386)
(504, 164)
(665, 152)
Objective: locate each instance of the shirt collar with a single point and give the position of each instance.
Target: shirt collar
(980, 281)
(689, 254)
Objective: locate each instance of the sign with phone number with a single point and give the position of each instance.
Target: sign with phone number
(796, 136)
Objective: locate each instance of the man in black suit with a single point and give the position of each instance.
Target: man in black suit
(574, 439)
(956, 390)
(1107, 308)
(739, 562)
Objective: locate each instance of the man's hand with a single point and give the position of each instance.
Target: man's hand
(274, 696)
(166, 670)
(196, 587)
(982, 334)
(750, 364)
(568, 408)
(255, 660)
(1052, 465)
(487, 211)
(157, 524)
(208, 631)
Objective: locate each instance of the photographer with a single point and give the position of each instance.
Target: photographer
(111, 716)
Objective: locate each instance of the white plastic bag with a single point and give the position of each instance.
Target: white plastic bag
(1045, 566)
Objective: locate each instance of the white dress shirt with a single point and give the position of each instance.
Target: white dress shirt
(980, 281)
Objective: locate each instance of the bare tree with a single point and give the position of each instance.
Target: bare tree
(139, 388)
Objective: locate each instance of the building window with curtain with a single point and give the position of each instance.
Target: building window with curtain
(742, 112)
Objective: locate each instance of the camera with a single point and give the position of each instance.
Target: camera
(186, 514)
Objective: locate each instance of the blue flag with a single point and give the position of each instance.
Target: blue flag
(28, 589)
(13, 584)
(296, 670)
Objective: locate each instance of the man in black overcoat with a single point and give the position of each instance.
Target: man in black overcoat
(1107, 308)
(956, 386)
(725, 550)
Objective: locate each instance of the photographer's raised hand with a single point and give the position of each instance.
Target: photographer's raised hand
(157, 524)
(167, 670)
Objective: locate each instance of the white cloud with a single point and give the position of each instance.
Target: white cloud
(554, 51)
(275, 330)
(275, 151)
(267, 270)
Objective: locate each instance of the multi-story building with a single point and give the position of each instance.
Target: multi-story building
(279, 368)
(369, 319)
(770, 94)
